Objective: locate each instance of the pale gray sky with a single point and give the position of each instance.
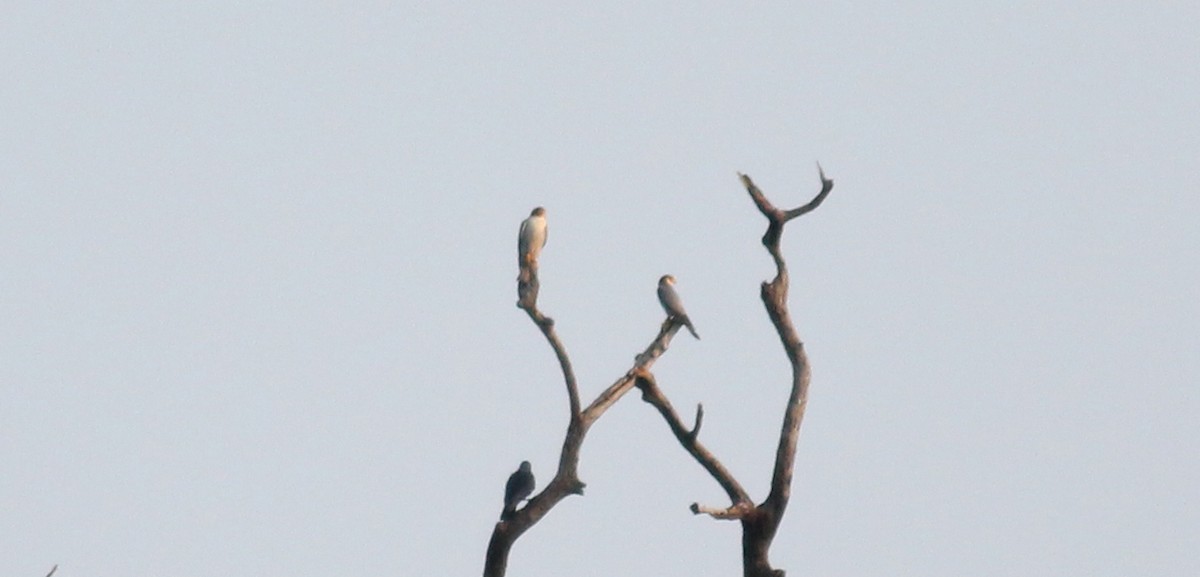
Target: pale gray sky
(257, 310)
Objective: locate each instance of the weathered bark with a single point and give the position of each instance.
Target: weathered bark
(566, 480)
(761, 522)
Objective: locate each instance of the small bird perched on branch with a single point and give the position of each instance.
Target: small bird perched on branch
(520, 485)
(530, 242)
(671, 303)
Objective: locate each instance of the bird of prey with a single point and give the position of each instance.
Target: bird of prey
(671, 303)
(531, 240)
(519, 486)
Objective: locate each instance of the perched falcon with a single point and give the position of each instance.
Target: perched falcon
(531, 239)
(671, 303)
(519, 486)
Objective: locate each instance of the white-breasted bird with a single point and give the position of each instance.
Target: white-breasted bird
(671, 303)
(520, 485)
(532, 238)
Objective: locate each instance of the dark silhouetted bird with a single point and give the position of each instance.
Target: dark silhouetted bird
(519, 486)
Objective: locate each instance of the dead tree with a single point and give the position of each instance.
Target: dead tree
(759, 522)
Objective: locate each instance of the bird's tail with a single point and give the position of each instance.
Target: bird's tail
(688, 323)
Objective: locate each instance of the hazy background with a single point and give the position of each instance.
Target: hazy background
(257, 291)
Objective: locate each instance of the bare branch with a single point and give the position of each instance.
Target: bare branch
(774, 296)
(566, 480)
(733, 513)
(687, 438)
(52, 570)
(546, 325)
(641, 363)
(759, 524)
(759, 530)
(776, 218)
(826, 186)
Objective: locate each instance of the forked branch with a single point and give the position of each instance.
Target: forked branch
(761, 522)
(688, 439)
(566, 479)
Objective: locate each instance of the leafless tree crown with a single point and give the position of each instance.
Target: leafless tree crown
(760, 522)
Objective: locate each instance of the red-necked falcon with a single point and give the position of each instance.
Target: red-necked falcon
(519, 486)
(531, 240)
(671, 303)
